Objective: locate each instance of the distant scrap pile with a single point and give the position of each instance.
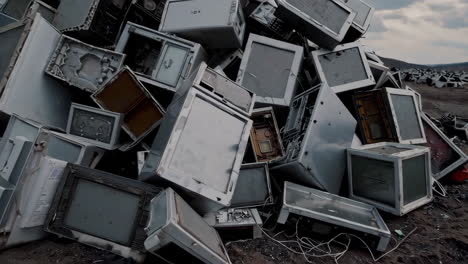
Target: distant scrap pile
(217, 115)
(437, 78)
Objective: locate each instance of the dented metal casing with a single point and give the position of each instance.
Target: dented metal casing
(94, 125)
(274, 82)
(200, 146)
(160, 59)
(316, 147)
(215, 24)
(364, 13)
(335, 210)
(446, 157)
(82, 65)
(97, 22)
(235, 220)
(395, 178)
(177, 234)
(265, 136)
(253, 188)
(124, 94)
(325, 22)
(344, 69)
(209, 81)
(102, 210)
(30, 97)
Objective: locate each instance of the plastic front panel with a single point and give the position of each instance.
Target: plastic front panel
(196, 14)
(343, 67)
(103, 211)
(172, 64)
(374, 179)
(197, 227)
(326, 12)
(406, 116)
(158, 213)
(251, 188)
(92, 125)
(202, 152)
(268, 69)
(414, 179)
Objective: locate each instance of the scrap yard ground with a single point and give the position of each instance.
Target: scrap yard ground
(441, 235)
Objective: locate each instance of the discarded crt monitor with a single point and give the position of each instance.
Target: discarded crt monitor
(335, 210)
(253, 186)
(158, 58)
(236, 221)
(200, 146)
(364, 13)
(177, 234)
(30, 52)
(265, 135)
(68, 148)
(102, 210)
(345, 68)
(126, 95)
(209, 81)
(95, 125)
(389, 115)
(96, 21)
(446, 157)
(325, 22)
(270, 68)
(33, 198)
(316, 146)
(212, 23)
(395, 178)
(82, 65)
(262, 21)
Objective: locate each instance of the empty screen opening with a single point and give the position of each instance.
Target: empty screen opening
(442, 154)
(141, 118)
(343, 67)
(232, 69)
(103, 211)
(414, 179)
(268, 70)
(251, 188)
(142, 53)
(326, 12)
(406, 115)
(374, 179)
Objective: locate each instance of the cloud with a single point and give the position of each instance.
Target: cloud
(420, 31)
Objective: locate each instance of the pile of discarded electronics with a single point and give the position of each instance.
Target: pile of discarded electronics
(436, 78)
(209, 110)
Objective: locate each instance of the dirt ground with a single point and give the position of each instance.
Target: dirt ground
(441, 235)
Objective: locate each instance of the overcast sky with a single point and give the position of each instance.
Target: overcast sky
(420, 31)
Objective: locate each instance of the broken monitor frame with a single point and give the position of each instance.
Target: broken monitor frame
(270, 69)
(158, 58)
(97, 126)
(200, 146)
(379, 71)
(126, 95)
(389, 81)
(335, 210)
(395, 178)
(262, 21)
(97, 22)
(177, 234)
(195, 20)
(317, 140)
(253, 188)
(446, 157)
(324, 22)
(231, 64)
(345, 68)
(146, 13)
(406, 116)
(364, 13)
(265, 137)
(82, 65)
(68, 148)
(102, 210)
(209, 81)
